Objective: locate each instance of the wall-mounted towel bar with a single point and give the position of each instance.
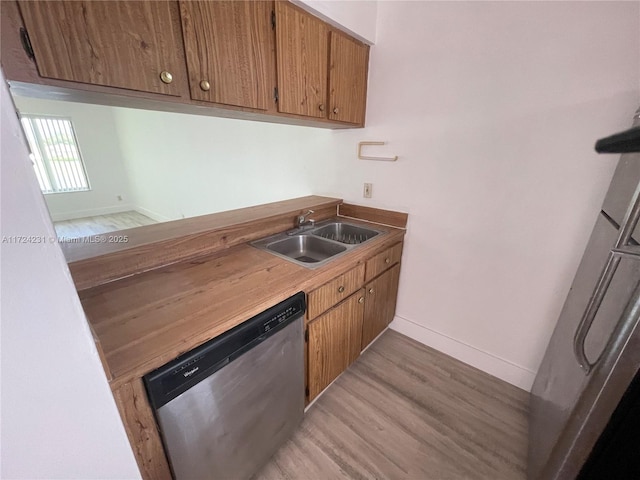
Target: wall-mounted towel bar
(365, 157)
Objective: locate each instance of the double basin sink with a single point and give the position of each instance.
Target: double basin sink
(315, 246)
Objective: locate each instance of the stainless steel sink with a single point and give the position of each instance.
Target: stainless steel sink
(345, 233)
(314, 247)
(306, 249)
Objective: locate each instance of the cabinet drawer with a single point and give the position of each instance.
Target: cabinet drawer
(382, 261)
(335, 291)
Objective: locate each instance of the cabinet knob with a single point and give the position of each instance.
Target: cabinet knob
(204, 85)
(335, 110)
(321, 107)
(386, 260)
(361, 300)
(340, 289)
(371, 290)
(166, 77)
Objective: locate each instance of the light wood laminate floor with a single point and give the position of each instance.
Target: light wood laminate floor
(406, 411)
(87, 226)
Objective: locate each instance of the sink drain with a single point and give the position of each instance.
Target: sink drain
(306, 259)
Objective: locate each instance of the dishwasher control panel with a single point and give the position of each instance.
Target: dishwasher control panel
(283, 316)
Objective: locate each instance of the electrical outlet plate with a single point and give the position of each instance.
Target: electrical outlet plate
(368, 189)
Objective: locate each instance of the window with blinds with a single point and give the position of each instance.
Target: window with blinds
(55, 154)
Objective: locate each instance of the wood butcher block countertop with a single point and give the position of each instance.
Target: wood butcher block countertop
(143, 321)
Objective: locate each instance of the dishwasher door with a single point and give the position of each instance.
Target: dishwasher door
(228, 425)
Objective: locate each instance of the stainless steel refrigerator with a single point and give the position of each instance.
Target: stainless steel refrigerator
(593, 356)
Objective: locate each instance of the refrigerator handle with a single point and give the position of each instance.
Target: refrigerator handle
(592, 309)
(627, 227)
(630, 220)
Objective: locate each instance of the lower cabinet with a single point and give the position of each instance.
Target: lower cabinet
(335, 338)
(379, 304)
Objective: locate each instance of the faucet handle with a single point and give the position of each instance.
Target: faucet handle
(303, 218)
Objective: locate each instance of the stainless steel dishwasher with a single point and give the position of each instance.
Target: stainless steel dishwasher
(225, 407)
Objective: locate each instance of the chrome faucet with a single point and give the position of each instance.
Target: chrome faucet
(302, 223)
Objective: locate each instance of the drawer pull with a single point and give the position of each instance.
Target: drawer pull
(205, 86)
(387, 260)
(340, 289)
(371, 290)
(166, 77)
(361, 300)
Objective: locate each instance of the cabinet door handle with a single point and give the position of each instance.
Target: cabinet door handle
(361, 300)
(321, 107)
(371, 290)
(340, 289)
(166, 77)
(387, 260)
(335, 111)
(204, 85)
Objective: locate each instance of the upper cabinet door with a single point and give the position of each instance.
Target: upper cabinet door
(302, 53)
(229, 50)
(347, 79)
(133, 45)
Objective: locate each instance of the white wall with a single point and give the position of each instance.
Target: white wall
(357, 17)
(493, 108)
(59, 419)
(185, 165)
(99, 146)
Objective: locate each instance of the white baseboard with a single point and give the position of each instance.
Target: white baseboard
(153, 215)
(498, 367)
(90, 212)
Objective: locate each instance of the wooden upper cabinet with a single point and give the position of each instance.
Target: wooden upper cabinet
(224, 52)
(301, 49)
(312, 57)
(348, 66)
(229, 51)
(113, 43)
